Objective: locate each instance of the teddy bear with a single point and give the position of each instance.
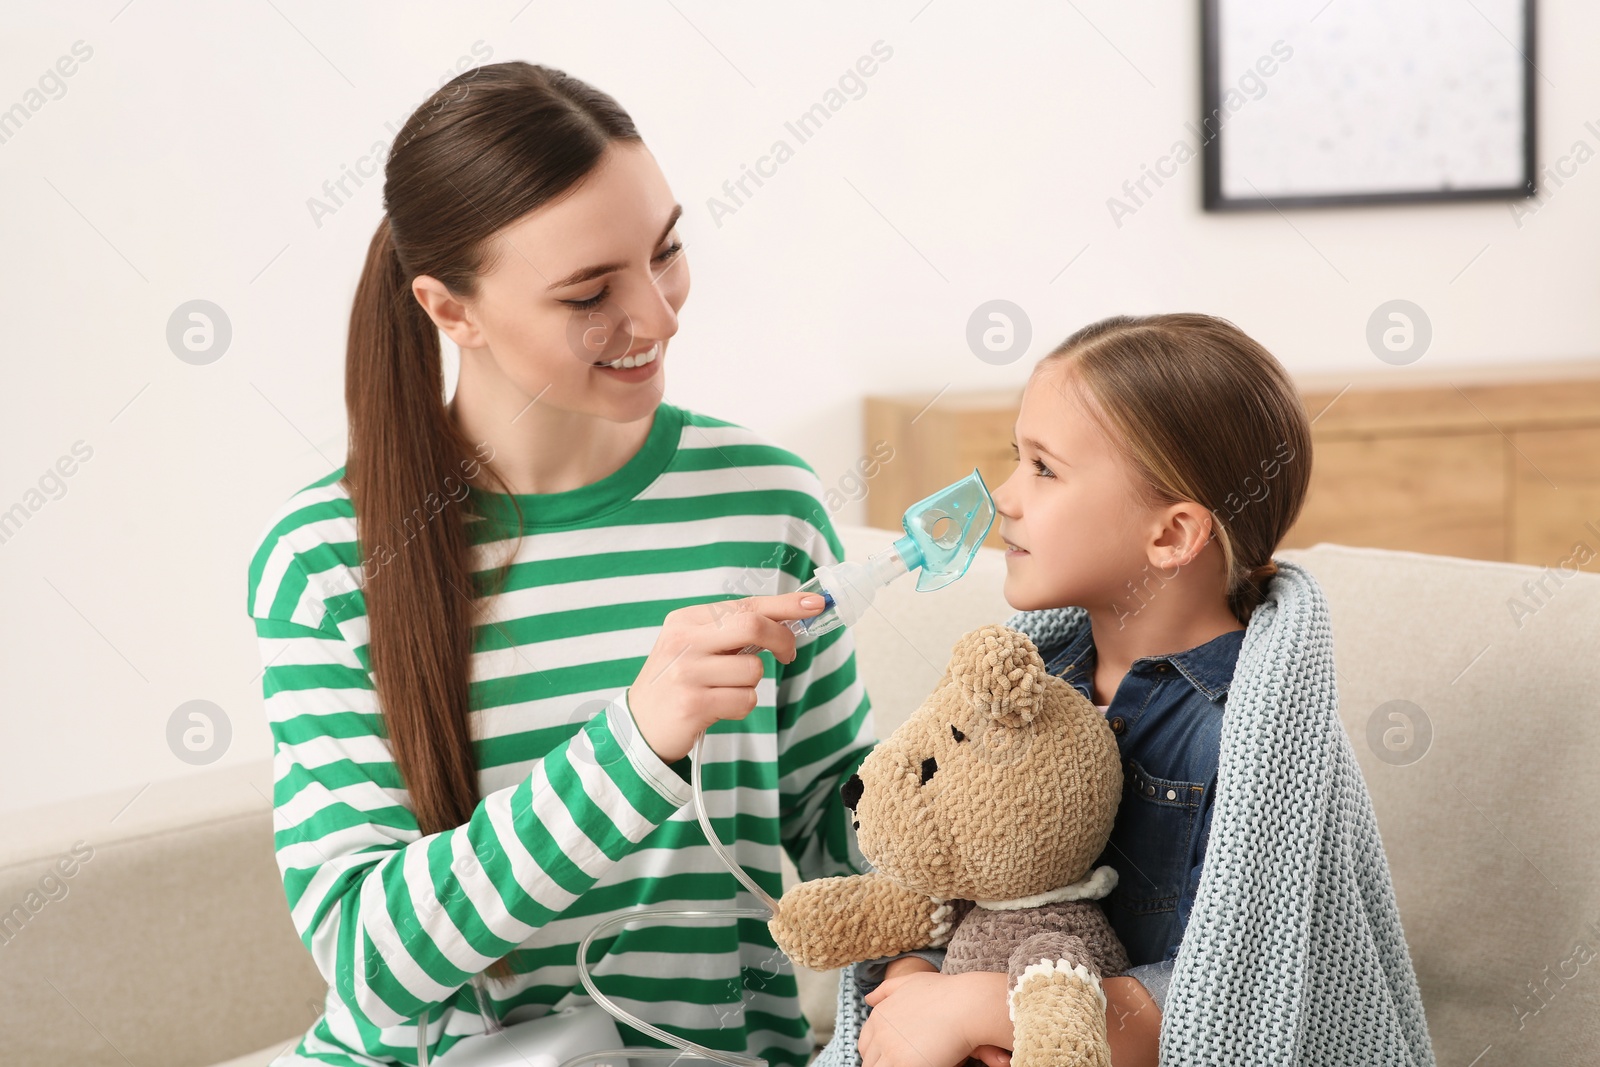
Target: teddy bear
(982, 817)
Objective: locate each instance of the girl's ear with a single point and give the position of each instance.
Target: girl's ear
(1000, 674)
(1186, 528)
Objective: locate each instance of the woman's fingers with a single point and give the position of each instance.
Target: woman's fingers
(758, 620)
(736, 629)
(698, 671)
(782, 605)
(730, 703)
(740, 672)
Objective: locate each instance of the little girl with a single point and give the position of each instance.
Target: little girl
(1160, 460)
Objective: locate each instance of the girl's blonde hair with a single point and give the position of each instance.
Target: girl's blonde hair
(1201, 412)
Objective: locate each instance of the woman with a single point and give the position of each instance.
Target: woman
(492, 637)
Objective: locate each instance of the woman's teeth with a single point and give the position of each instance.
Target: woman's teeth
(639, 360)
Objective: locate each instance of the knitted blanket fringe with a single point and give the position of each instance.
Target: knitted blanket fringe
(1293, 954)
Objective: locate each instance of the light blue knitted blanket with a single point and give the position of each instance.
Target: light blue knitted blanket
(1293, 954)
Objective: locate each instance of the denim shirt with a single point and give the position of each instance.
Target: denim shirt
(1167, 718)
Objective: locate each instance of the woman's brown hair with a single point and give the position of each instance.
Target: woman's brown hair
(488, 147)
(1202, 412)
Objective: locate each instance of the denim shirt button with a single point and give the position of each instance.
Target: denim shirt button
(1118, 727)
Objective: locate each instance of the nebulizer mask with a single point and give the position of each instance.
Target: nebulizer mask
(942, 535)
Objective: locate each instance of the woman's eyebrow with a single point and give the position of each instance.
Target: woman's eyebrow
(587, 273)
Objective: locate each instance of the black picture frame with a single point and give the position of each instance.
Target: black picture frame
(1211, 93)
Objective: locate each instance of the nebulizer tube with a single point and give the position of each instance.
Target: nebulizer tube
(943, 533)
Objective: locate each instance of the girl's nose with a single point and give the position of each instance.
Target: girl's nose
(1003, 502)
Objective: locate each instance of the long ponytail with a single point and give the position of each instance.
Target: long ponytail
(404, 447)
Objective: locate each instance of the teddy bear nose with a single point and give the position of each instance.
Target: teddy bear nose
(930, 766)
(851, 791)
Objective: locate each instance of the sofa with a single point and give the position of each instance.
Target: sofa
(169, 942)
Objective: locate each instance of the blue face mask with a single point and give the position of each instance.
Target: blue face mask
(945, 530)
(943, 534)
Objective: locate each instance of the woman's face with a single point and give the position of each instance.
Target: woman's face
(590, 278)
(1074, 532)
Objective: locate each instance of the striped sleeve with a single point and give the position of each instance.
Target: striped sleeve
(397, 921)
(825, 730)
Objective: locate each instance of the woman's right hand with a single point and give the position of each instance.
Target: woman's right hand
(697, 674)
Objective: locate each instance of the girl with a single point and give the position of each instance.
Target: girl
(1160, 461)
(492, 637)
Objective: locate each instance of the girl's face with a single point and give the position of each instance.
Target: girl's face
(594, 276)
(1074, 531)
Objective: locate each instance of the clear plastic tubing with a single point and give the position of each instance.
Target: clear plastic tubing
(682, 1047)
(690, 1049)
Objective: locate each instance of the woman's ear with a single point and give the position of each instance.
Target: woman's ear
(447, 311)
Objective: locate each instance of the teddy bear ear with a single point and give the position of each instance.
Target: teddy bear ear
(1000, 672)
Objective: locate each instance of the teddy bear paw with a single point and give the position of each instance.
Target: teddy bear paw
(943, 923)
(1058, 1017)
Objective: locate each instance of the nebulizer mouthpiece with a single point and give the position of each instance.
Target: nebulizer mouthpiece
(943, 533)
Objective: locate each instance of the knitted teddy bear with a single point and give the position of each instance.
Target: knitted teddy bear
(982, 817)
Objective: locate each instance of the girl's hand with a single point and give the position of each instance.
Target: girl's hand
(1133, 1022)
(988, 1055)
(921, 1018)
(918, 1027)
(696, 673)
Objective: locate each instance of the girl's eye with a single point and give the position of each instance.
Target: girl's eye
(1038, 467)
(665, 255)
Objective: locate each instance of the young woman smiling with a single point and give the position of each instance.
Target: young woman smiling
(491, 637)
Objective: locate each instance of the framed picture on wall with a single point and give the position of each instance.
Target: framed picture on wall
(1327, 102)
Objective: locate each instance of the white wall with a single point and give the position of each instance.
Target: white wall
(179, 160)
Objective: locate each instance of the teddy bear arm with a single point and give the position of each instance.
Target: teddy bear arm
(829, 922)
(1058, 1010)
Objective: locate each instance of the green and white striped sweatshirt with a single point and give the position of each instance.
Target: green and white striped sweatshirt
(580, 819)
